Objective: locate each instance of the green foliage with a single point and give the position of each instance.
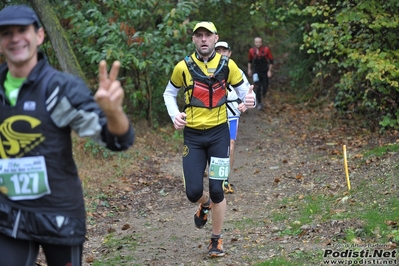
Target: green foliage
(346, 50)
(238, 22)
(96, 150)
(100, 152)
(395, 236)
(178, 135)
(358, 42)
(147, 37)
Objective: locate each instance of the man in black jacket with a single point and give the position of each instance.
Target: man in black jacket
(41, 198)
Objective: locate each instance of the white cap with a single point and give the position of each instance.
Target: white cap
(222, 44)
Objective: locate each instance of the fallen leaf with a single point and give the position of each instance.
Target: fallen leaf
(89, 259)
(302, 233)
(391, 223)
(163, 193)
(111, 230)
(337, 211)
(125, 227)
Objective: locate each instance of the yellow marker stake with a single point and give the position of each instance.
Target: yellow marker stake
(346, 169)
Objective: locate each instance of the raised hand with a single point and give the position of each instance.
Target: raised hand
(250, 98)
(109, 95)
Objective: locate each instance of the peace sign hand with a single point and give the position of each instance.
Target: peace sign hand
(109, 95)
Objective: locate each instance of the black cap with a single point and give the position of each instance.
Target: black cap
(18, 15)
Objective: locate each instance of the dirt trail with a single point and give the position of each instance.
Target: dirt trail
(282, 152)
(165, 229)
(161, 217)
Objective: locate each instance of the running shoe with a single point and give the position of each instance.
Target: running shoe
(216, 248)
(201, 216)
(227, 187)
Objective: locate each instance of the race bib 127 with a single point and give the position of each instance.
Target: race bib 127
(24, 178)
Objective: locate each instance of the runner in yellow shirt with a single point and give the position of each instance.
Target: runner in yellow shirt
(204, 77)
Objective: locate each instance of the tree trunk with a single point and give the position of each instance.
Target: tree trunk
(58, 39)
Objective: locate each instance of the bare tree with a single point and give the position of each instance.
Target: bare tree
(58, 39)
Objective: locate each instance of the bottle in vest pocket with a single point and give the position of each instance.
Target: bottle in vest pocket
(255, 77)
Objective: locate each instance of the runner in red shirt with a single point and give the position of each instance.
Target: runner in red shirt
(260, 64)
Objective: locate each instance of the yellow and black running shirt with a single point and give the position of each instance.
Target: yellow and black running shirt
(200, 117)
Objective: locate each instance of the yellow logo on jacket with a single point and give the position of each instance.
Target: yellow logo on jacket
(17, 144)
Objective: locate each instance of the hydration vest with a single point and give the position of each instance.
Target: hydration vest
(207, 91)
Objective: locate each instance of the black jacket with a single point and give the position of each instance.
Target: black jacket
(50, 105)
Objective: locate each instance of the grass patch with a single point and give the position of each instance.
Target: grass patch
(382, 150)
(312, 207)
(279, 216)
(296, 258)
(309, 210)
(369, 213)
(277, 262)
(117, 251)
(380, 220)
(246, 223)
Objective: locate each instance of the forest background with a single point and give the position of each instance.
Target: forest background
(336, 82)
(344, 51)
